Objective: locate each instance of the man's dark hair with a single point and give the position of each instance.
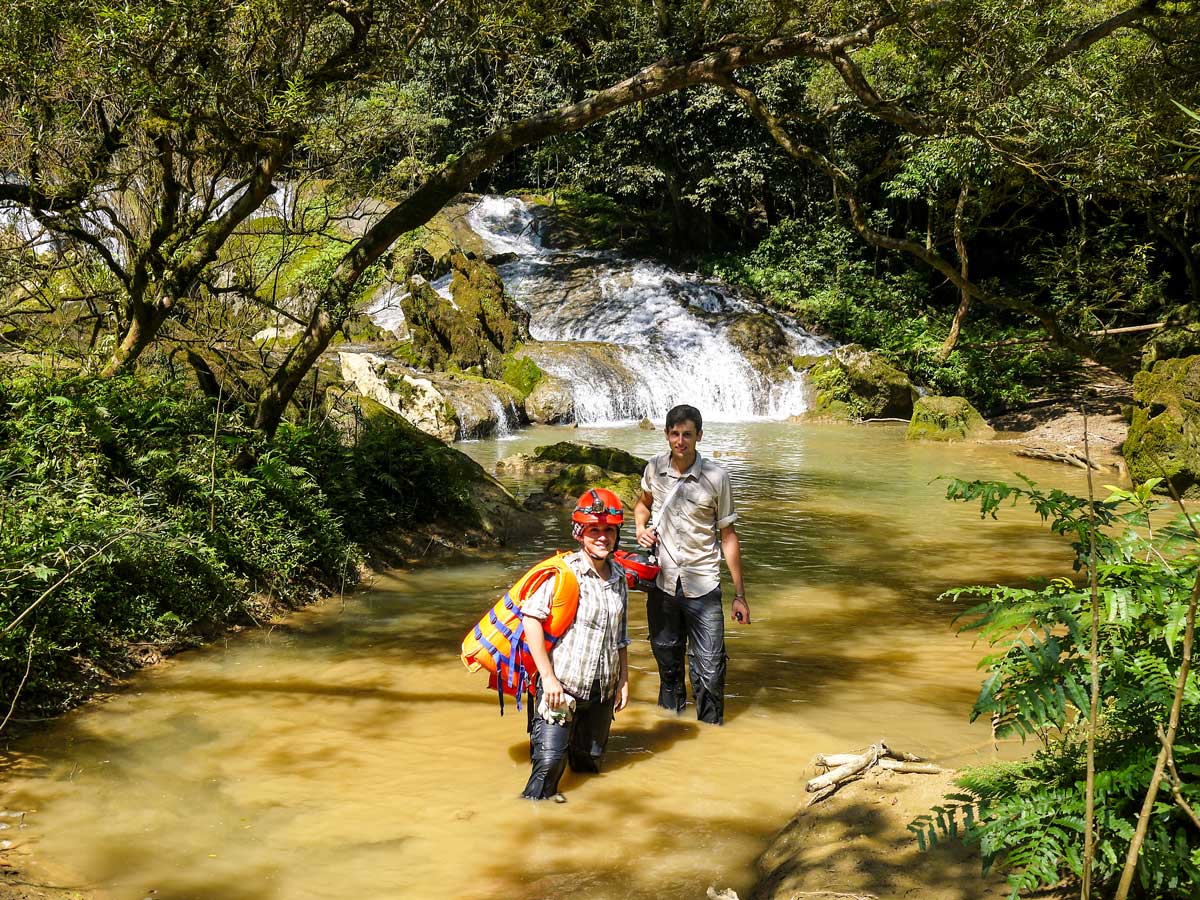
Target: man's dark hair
(677, 415)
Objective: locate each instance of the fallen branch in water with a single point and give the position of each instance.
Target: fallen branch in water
(842, 768)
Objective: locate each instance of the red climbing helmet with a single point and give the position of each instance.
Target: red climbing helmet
(597, 506)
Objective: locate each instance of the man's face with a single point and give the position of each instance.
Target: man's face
(683, 439)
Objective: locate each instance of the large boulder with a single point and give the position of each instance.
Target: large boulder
(491, 513)
(1164, 431)
(482, 406)
(551, 402)
(763, 342)
(448, 406)
(472, 333)
(401, 390)
(947, 419)
(852, 383)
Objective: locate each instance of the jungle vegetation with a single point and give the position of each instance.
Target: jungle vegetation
(987, 190)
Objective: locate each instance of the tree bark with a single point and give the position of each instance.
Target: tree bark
(964, 304)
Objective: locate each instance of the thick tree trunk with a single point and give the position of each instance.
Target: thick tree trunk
(147, 317)
(143, 327)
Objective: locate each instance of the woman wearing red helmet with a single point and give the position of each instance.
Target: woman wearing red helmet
(584, 678)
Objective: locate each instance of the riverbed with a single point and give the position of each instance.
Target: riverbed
(345, 752)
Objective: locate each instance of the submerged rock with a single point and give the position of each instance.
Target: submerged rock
(575, 467)
(947, 419)
(1164, 431)
(575, 478)
(852, 383)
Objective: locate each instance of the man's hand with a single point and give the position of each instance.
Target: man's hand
(741, 610)
(622, 695)
(647, 537)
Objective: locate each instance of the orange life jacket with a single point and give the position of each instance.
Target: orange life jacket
(497, 642)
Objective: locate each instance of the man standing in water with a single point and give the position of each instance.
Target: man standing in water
(693, 526)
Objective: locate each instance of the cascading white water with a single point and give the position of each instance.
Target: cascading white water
(670, 330)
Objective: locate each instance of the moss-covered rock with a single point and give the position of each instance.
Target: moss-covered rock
(442, 337)
(947, 419)
(521, 374)
(1175, 341)
(575, 478)
(1164, 430)
(489, 506)
(479, 294)
(472, 334)
(762, 341)
(611, 459)
(854, 384)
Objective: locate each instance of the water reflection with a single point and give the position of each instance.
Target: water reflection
(346, 753)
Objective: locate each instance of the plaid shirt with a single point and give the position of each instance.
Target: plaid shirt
(587, 650)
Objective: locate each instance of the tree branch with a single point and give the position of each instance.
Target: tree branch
(844, 190)
(1079, 41)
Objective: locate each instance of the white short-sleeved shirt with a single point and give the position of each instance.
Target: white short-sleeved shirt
(587, 650)
(689, 533)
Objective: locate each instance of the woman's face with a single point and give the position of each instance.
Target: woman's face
(599, 540)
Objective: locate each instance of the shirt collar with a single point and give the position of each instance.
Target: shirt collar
(693, 471)
(583, 568)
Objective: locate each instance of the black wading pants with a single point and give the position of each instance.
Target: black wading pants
(580, 742)
(696, 624)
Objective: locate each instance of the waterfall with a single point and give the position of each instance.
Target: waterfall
(668, 332)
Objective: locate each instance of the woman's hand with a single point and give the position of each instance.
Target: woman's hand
(552, 690)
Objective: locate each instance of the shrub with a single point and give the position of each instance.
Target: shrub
(823, 274)
(132, 525)
(1028, 816)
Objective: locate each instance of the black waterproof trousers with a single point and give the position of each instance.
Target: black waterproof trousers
(697, 625)
(580, 743)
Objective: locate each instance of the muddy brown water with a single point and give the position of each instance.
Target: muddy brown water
(346, 752)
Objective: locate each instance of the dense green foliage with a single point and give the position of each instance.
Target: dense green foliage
(116, 504)
(1028, 816)
(837, 285)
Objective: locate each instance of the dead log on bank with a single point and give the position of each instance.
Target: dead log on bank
(1070, 457)
(842, 768)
